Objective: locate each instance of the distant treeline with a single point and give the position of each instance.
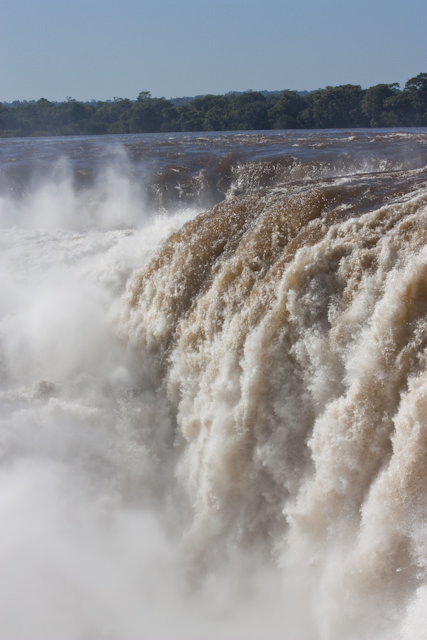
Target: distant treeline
(383, 105)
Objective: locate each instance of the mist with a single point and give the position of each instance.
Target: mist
(91, 523)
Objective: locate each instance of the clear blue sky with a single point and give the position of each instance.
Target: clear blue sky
(116, 48)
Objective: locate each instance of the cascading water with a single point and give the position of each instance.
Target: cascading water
(214, 424)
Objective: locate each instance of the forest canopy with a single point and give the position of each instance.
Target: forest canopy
(344, 106)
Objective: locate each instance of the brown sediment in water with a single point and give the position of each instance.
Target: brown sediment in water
(292, 326)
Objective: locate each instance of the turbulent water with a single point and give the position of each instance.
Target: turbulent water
(213, 386)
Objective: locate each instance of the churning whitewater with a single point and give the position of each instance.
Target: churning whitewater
(213, 369)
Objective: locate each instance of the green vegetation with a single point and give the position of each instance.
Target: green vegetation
(384, 105)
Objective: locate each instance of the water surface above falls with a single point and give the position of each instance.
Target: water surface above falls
(201, 169)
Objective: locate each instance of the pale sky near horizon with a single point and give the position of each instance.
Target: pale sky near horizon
(100, 49)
